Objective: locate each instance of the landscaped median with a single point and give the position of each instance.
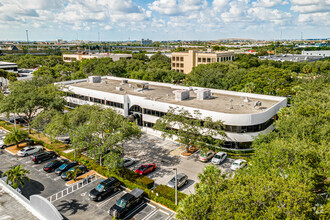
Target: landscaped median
(160, 194)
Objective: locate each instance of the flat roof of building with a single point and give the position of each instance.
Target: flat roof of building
(2, 63)
(220, 101)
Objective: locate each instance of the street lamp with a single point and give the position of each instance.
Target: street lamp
(176, 186)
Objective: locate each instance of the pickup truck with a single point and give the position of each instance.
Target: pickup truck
(126, 203)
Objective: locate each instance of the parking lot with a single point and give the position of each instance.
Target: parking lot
(166, 155)
(75, 205)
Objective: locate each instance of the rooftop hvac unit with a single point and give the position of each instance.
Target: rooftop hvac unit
(257, 103)
(246, 99)
(124, 81)
(203, 94)
(118, 88)
(181, 94)
(94, 79)
(143, 86)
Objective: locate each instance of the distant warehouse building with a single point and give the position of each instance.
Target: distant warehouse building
(80, 56)
(323, 53)
(244, 115)
(10, 67)
(308, 56)
(185, 61)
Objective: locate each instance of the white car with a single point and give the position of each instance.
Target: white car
(2, 143)
(29, 150)
(219, 158)
(238, 164)
(128, 161)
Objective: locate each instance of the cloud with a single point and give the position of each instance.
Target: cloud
(269, 3)
(272, 15)
(304, 6)
(174, 7)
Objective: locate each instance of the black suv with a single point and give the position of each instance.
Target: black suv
(19, 120)
(52, 166)
(64, 167)
(104, 188)
(41, 157)
(126, 203)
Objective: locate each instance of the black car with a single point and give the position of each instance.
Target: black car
(52, 166)
(82, 169)
(64, 167)
(18, 120)
(104, 188)
(67, 141)
(43, 156)
(126, 203)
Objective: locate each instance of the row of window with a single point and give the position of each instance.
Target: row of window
(96, 100)
(10, 68)
(177, 58)
(178, 65)
(153, 112)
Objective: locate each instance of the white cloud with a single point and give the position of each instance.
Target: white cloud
(272, 15)
(177, 7)
(309, 6)
(269, 3)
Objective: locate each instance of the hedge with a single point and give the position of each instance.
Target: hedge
(131, 180)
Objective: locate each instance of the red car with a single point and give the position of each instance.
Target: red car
(146, 168)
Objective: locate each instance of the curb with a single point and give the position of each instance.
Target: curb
(10, 152)
(189, 155)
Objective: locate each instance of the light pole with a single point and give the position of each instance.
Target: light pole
(176, 186)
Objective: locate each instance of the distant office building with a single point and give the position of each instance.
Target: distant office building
(84, 55)
(10, 67)
(11, 47)
(292, 57)
(145, 42)
(324, 53)
(185, 61)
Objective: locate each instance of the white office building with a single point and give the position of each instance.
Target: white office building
(244, 115)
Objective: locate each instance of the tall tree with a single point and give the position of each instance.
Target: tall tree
(190, 128)
(15, 136)
(17, 176)
(30, 96)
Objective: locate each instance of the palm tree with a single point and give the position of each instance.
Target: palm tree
(15, 136)
(73, 174)
(17, 176)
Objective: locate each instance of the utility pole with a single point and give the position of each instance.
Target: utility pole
(176, 186)
(27, 39)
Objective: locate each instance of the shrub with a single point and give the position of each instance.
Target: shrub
(168, 193)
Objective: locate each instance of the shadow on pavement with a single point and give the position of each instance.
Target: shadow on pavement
(32, 187)
(72, 206)
(186, 186)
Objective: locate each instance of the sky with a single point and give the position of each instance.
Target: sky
(121, 20)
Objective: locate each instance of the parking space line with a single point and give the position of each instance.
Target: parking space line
(150, 214)
(151, 205)
(134, 210)
(105, 201)
(170, 216)
(57, 178)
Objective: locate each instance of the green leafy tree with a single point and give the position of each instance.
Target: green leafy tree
(17, 176)
(73, 174)
(15, 136)
(190, 128)
(29, 97)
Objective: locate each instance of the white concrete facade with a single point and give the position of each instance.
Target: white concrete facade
(241, 127)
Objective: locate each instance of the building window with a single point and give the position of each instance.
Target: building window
(153, 112)
(181, 58)
(209, 60)
(177, 65)
(114, 104)
(204, 60)
(173, 58)
(177, 58)
(173, 64)
(181, 65)
(199, 60)
(148, 124)
(181, 71)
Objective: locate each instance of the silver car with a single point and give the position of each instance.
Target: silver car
(219, 158)
(128, 161)
(181, 178)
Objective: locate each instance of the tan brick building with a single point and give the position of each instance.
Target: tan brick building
(185, 61)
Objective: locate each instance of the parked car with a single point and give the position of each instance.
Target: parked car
(82, 169)
(29, 150)
(182, 179)
(19, 120)
(146, 168)
(67, 141)
(126, 203)
(238, 164)
(219, 158)
(2, 143)
(128, 162)
(43, 156)
(65, 166)
(107, 186)
(52, 166)
(205, 156)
